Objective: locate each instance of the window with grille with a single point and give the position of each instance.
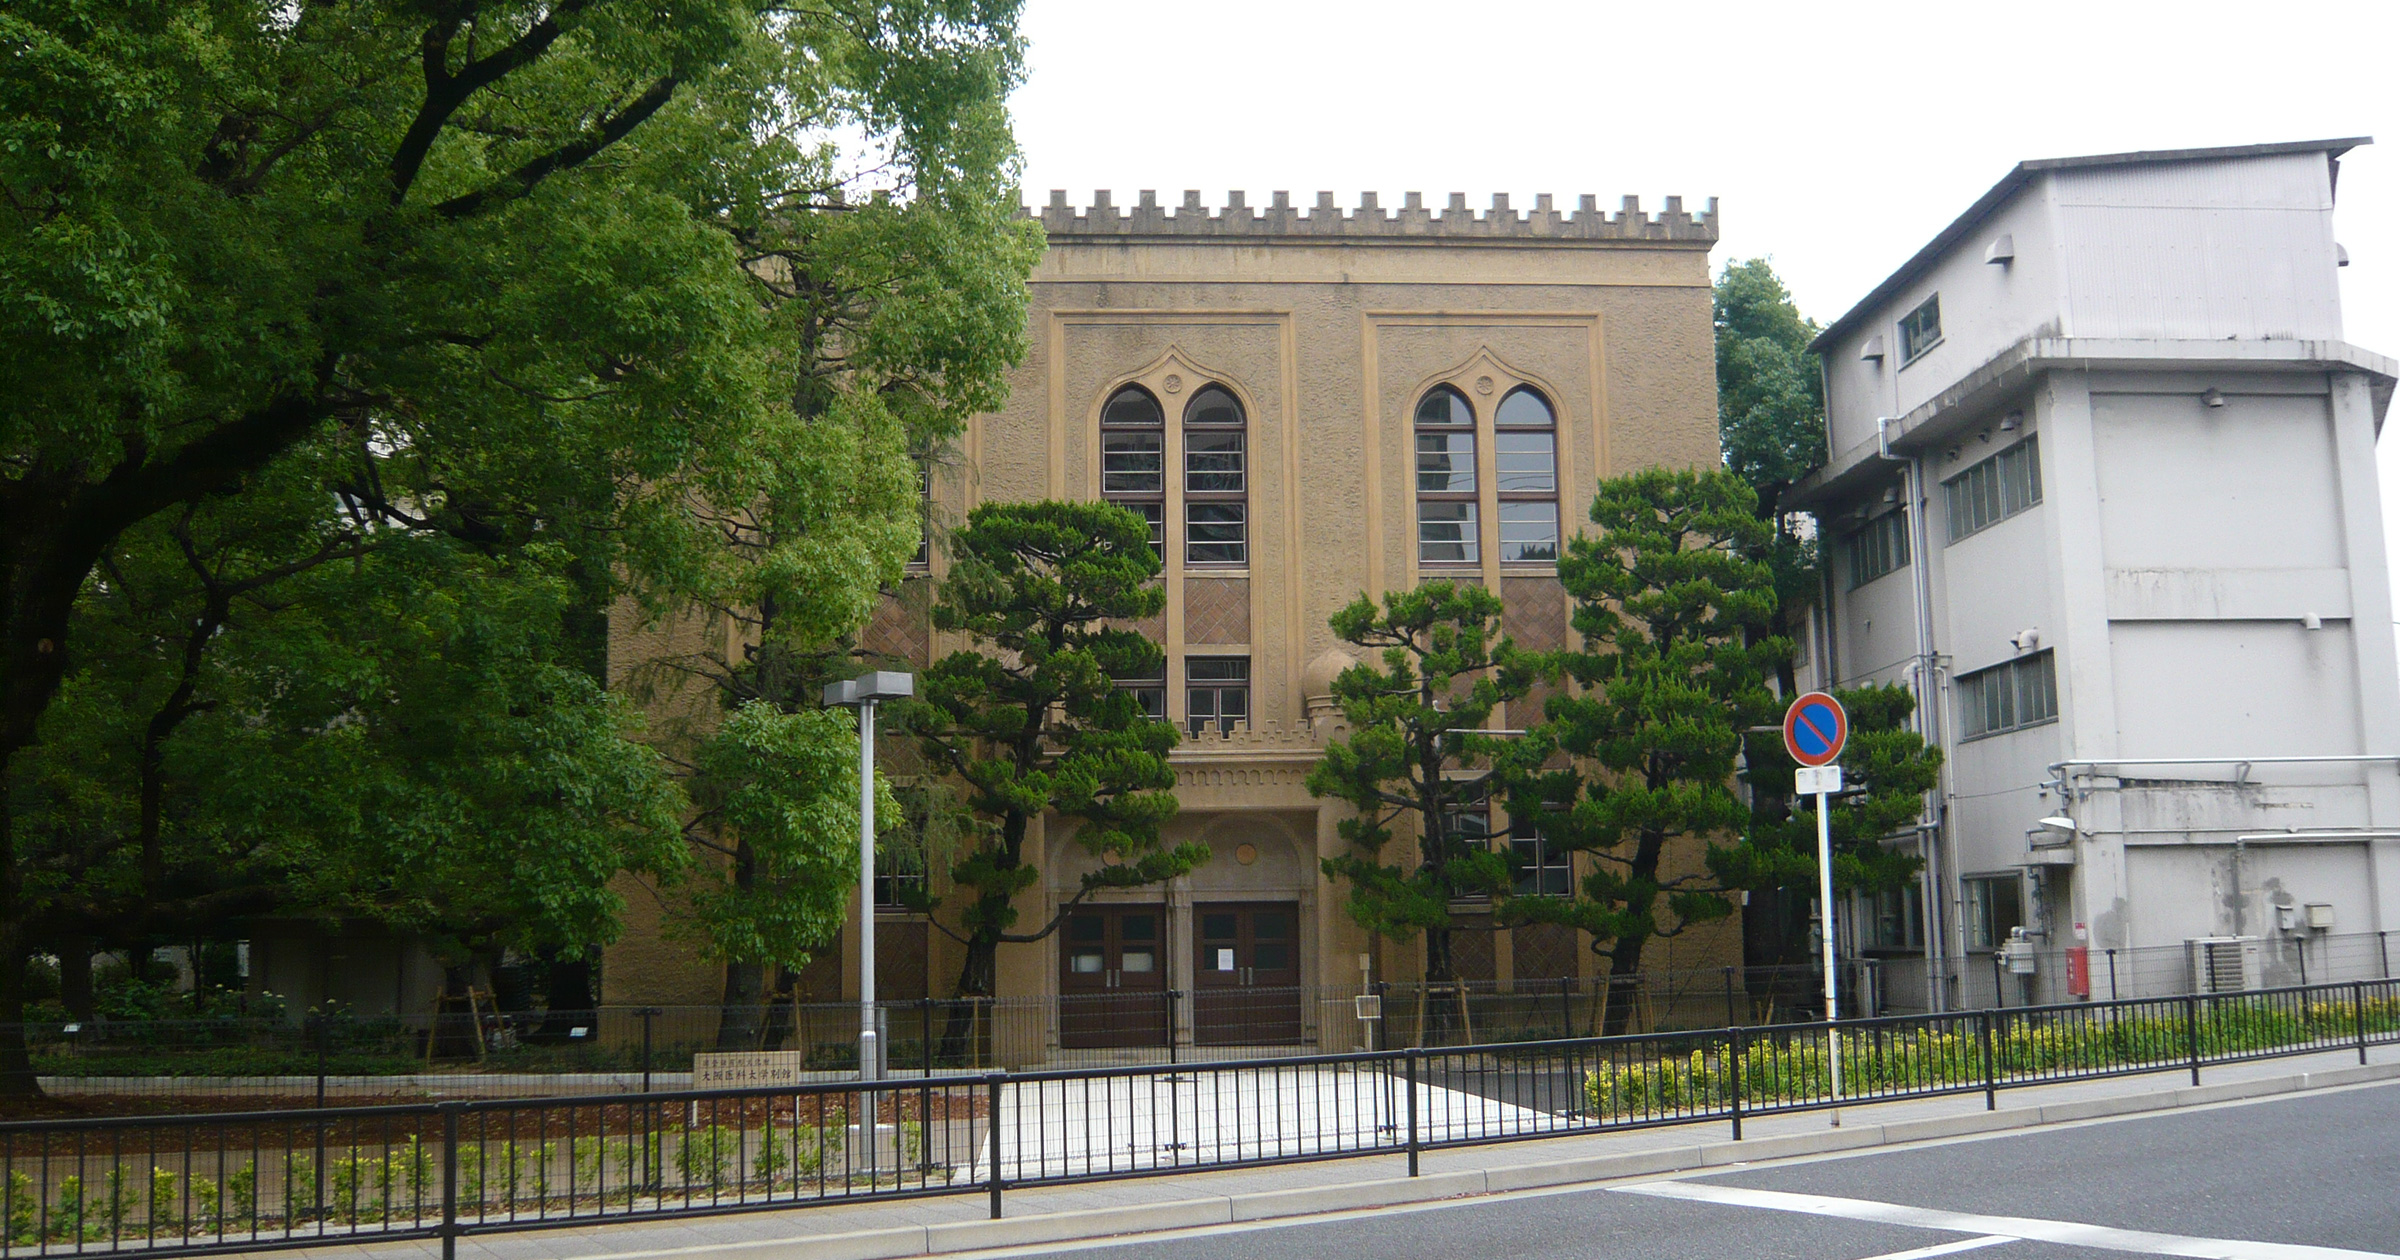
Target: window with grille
(1877, 548)
(1995, 906)
(1447, 510)
(1216, 480)
(1921, 330)
(1896, 918)
(1525, 464)
(1216, 692)
(1133, 455)
(1995, 489)
(1543, 869)
(2021, 693)
(1148, 690)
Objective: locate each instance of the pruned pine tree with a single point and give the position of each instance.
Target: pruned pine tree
(1031, 722)
(1669, 596)
(1886, 771)
(1413, 769)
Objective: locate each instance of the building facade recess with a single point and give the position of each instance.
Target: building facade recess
(1254, 381)
(2101, 491)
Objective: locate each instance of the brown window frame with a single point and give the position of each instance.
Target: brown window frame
(1470, 496)
(1216, 497)
(1150, 504)
(1501, 426)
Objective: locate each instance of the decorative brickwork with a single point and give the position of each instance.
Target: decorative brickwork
(1533, 611)
(1543, 951)
(1471, 953)
(1216, 610)
(902, 626)
(1413, 219)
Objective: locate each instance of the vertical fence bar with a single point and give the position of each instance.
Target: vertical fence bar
(2191, 1033)
(449, 1113)
(2358, 1016)
(1412, 1056)
(1730, 1018)
(649, 1013)
(1566, 1006)
(1991, 1062)
(991, 1085)
(2112, 975)
(1734, 1078)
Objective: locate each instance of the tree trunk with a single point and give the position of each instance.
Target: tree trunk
(978, 978)
(1624, 984)
(743, 1017)
(75, 978)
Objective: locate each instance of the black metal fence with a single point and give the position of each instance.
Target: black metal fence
(195, 1184)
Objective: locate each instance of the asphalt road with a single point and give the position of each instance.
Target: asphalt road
(2314, 1177)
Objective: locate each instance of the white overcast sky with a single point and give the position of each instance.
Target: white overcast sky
(1838, 137)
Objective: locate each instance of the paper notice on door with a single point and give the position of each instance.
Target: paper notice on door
(1224, 960)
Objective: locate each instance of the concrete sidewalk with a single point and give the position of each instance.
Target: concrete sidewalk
(877, 1231)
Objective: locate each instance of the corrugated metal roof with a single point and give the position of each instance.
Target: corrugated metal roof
(2022, 174)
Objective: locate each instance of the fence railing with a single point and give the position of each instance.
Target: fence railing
(178, 1185)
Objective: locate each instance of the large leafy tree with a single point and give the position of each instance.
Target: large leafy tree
(1669, 597)
(1031, 722)
(1414, 765)
(505, 274)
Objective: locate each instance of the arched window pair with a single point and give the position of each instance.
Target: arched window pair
(1452, 504)
(1216, 470)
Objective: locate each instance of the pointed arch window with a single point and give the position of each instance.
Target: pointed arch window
(1216, 479)
(1525, 464)
(1448, 514)
(1133, 458)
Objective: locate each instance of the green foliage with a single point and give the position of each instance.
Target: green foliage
(342, 338)
(785, 786)
(1770, 394)
(1886, 771)
(1031, 722)
(1411, 763)
(1671, 602)
(24, 1209)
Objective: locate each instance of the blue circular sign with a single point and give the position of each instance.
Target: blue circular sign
(1815, 728)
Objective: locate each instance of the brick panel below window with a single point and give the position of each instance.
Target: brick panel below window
(1216, 610)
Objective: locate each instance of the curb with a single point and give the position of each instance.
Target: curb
(1094, 1223)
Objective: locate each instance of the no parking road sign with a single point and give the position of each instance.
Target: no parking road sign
(1815, 728)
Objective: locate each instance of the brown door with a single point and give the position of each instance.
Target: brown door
(1246, 979)
(1112, 977)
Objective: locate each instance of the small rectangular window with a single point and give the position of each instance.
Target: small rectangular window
(1543, 869)
(1445, 463)
(1528, 532)
(1995, 489)
(2008, 697)
(1877, 548)
(1995, 907)
(1921, 329)
(1527, 461)
(1217, 692)
(1446, 533)
(1216, 533)
(1148, 690)
(1212, 463)
(1132, 463)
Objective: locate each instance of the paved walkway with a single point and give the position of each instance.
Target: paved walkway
(1050, 1214)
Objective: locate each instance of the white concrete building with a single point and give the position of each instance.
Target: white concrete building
(2101, 489)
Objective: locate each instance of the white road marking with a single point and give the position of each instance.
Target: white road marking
(2070, 1233)
(1949, 1248)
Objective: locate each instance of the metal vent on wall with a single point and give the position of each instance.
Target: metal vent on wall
(2223, 964)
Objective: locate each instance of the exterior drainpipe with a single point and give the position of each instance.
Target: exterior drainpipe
(1924, 681)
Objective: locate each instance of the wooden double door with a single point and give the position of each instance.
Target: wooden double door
(1246, 975)
(1112, 977)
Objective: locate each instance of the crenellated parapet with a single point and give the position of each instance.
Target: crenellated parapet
(1237, 218)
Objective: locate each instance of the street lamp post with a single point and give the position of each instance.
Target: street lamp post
(862, 693)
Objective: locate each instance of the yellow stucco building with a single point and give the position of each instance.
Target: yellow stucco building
(1310, 404)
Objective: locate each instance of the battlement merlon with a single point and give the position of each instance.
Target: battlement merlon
(1238, 219)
